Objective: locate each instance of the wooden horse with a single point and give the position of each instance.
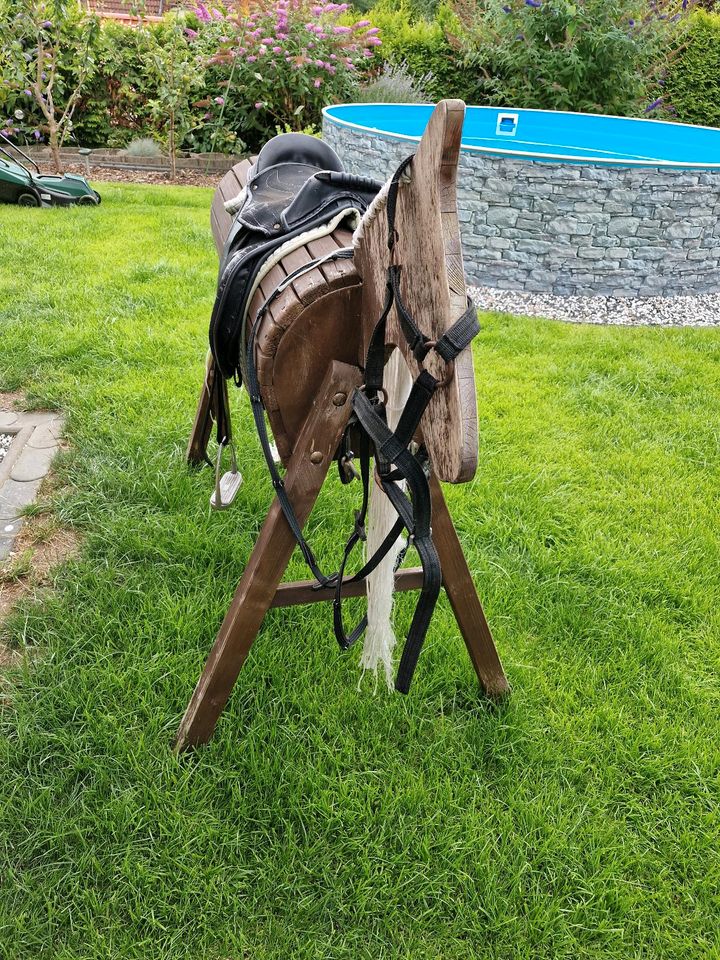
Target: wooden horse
(318, 331)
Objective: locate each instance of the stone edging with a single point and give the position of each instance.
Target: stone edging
(27, 463)
(119, 160)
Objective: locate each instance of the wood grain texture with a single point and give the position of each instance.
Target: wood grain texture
(202, 425)
(228, 188)
(305, 591)
(432, 284)
(315, 320)
(269, 558)
(459, 586)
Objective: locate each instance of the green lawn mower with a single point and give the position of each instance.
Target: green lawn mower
(21, 182)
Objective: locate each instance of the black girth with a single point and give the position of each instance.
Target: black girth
(397, 457)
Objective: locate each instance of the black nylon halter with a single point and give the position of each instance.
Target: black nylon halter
(395, 460)
(394, 448)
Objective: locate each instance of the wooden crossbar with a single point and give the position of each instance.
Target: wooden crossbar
(307, 591)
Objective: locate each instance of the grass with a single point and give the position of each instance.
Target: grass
(580, 820)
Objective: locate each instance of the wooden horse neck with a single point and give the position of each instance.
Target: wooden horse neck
(432, 283)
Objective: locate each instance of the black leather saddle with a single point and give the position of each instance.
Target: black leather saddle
(298, 183)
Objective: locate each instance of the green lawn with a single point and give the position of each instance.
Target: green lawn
(580, 820)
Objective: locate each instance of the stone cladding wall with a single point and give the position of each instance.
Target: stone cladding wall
(570, 229)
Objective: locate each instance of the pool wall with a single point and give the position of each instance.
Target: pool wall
(570, 229)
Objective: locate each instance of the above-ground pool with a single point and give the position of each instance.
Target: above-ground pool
(564, 203)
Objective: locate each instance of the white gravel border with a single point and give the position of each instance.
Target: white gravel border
(700, 311)
(5, 441)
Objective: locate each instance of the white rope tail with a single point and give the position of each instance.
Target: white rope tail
(380, 636)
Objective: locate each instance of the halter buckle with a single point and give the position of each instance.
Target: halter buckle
(363, 389)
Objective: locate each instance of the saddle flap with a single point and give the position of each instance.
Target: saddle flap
(329, 190)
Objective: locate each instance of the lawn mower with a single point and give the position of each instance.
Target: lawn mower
(20, 185)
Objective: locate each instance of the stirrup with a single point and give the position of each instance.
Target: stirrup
(227, 485)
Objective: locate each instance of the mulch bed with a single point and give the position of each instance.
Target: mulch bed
(185, 178)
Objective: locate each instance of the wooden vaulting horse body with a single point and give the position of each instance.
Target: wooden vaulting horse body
(310, 351)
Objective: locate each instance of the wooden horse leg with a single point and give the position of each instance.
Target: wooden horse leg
(202, 427)
(464, 600)
(306, 472)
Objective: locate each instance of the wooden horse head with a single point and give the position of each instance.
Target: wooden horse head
(432, 285)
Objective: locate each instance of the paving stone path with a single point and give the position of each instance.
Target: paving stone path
(35, 439)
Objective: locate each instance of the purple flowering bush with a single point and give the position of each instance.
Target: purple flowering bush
(278, 63)
(597, 56)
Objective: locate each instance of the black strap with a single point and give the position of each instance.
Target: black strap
(414, 512)
(259, 417)
(392, 448)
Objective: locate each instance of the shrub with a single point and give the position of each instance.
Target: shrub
(693, 81)
(113, 109)
(425, 47)
(394, 84)
(599, 56)
(143, 147)
(282, 62)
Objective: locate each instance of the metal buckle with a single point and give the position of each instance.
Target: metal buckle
(363, 389)
(449, 364)
(348, 468)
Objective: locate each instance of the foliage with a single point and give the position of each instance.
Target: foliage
(47, 58)
(114, 109)
(245, 72)
(579, 821)
(394, 84)
(283, 61)
(425, 47)
(599, 56)
(693, 82)
(176, 73)
(143, 147)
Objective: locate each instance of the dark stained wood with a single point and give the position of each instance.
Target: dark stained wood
(228, 188)
(298, 365)
(318, 302)
(270, 556)
(305, 591)
(464, 600)
(202, 426)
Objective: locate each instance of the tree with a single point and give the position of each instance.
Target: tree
(48, 53)
(178, 75)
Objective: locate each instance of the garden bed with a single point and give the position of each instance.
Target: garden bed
(192, 169)
(128, 174)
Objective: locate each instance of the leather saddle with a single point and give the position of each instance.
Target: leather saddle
(297, 185)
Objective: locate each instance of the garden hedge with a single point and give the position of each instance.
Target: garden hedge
(693, 82)
(440, 52)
